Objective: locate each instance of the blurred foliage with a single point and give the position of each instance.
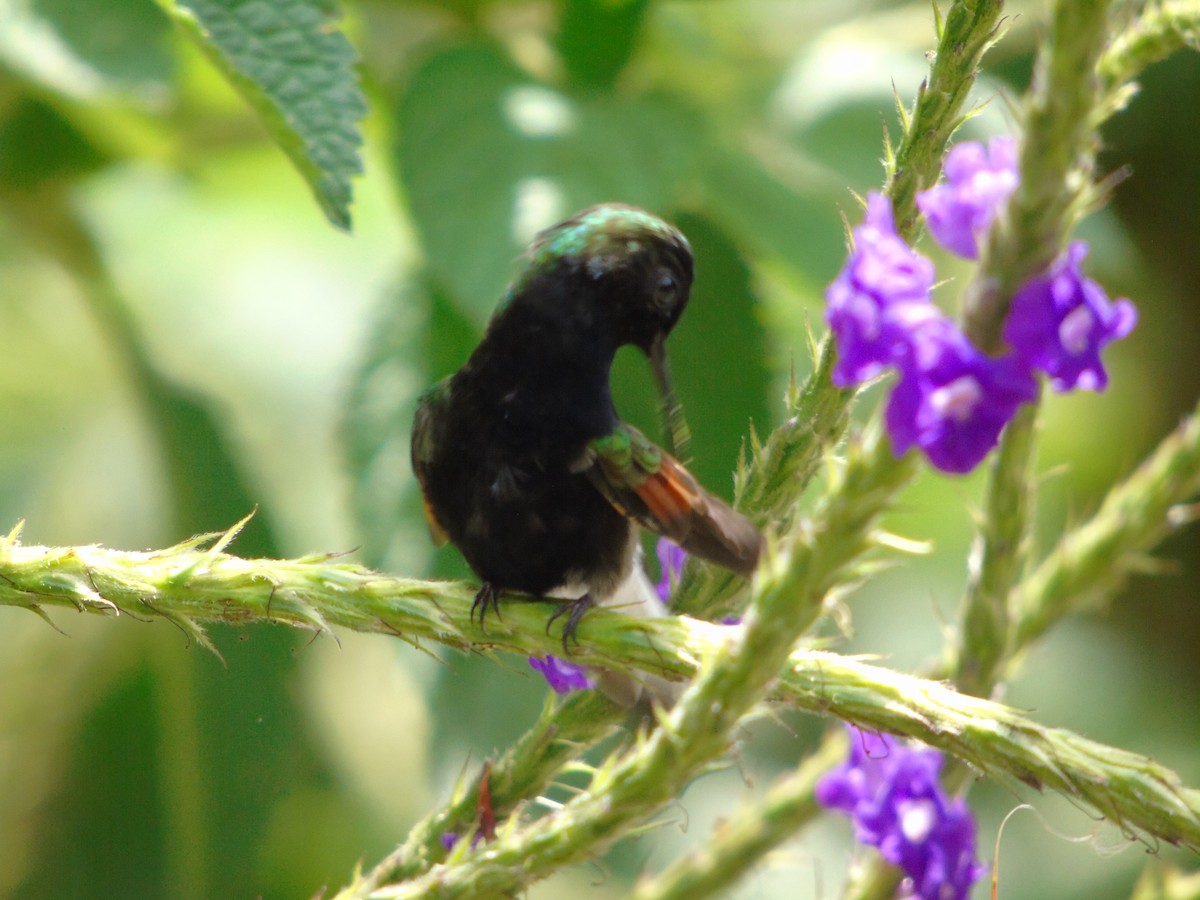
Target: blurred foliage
(186, 338)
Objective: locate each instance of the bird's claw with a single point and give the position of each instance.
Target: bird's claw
(575, 610)
(486, 596)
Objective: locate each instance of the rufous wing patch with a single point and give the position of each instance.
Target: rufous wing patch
(671, 495)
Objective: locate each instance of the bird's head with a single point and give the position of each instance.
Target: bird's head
(612, 272)
(631, 268)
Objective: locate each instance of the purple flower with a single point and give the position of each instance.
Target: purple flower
(671, 558)
(1059, 321)
(449, 840)
(563, 676)
(878, 297)
(898, 805)
(978, 182)
(952, 400)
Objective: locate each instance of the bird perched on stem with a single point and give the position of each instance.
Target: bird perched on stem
(522, 460)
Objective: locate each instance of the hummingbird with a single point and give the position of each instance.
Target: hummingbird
(522, 460)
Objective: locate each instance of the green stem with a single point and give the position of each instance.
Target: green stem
(970, 28)
(997, 561)
(779, 470)
(1160, 30)
(1093, 561)
(741, 842)
(770, 484)
(734, 674)
(1056, 162)
(1130, 790)
(561, 735)
(184, 583)
(1065, 110)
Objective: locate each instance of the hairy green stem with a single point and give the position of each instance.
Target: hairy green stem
(1160, 30)
(561, 734)
(998, 557)
(778, 471)
(734, 673)
(818, 414)
(642, 781)
(970, 28)
(1056, 162)
(185, 584)
(1128, 789)
(741, 842)
(1093, 561)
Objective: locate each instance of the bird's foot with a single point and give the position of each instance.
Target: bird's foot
(574, 610)
(487, 595)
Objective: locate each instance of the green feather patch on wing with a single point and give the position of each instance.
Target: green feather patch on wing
(643, 481)
(626, 456)
(650, 486)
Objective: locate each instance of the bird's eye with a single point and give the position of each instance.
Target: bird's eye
(666, 290)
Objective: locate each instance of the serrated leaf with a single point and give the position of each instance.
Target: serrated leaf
(297, 73)
(488, 156)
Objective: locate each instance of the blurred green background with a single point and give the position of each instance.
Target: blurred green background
(185, 338)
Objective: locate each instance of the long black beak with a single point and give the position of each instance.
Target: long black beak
(679, 436)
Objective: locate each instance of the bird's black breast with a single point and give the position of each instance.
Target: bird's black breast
(500, 474)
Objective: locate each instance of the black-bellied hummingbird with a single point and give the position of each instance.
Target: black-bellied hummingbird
(523, 462)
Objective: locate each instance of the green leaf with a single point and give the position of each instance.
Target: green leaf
(40, 146)
(81, 48)
(770, 218)
(597, 37)
(208, 491)
(208, 488)
(418, 337)
(95, 779)
(297, 73)
(488, 156)
(718, 357)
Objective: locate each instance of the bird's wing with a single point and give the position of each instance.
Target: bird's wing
(650, 486)
(426, 437)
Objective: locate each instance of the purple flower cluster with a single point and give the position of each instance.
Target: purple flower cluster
(951, 399)
(1059, 321)
(880, 299)
(893, 794)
